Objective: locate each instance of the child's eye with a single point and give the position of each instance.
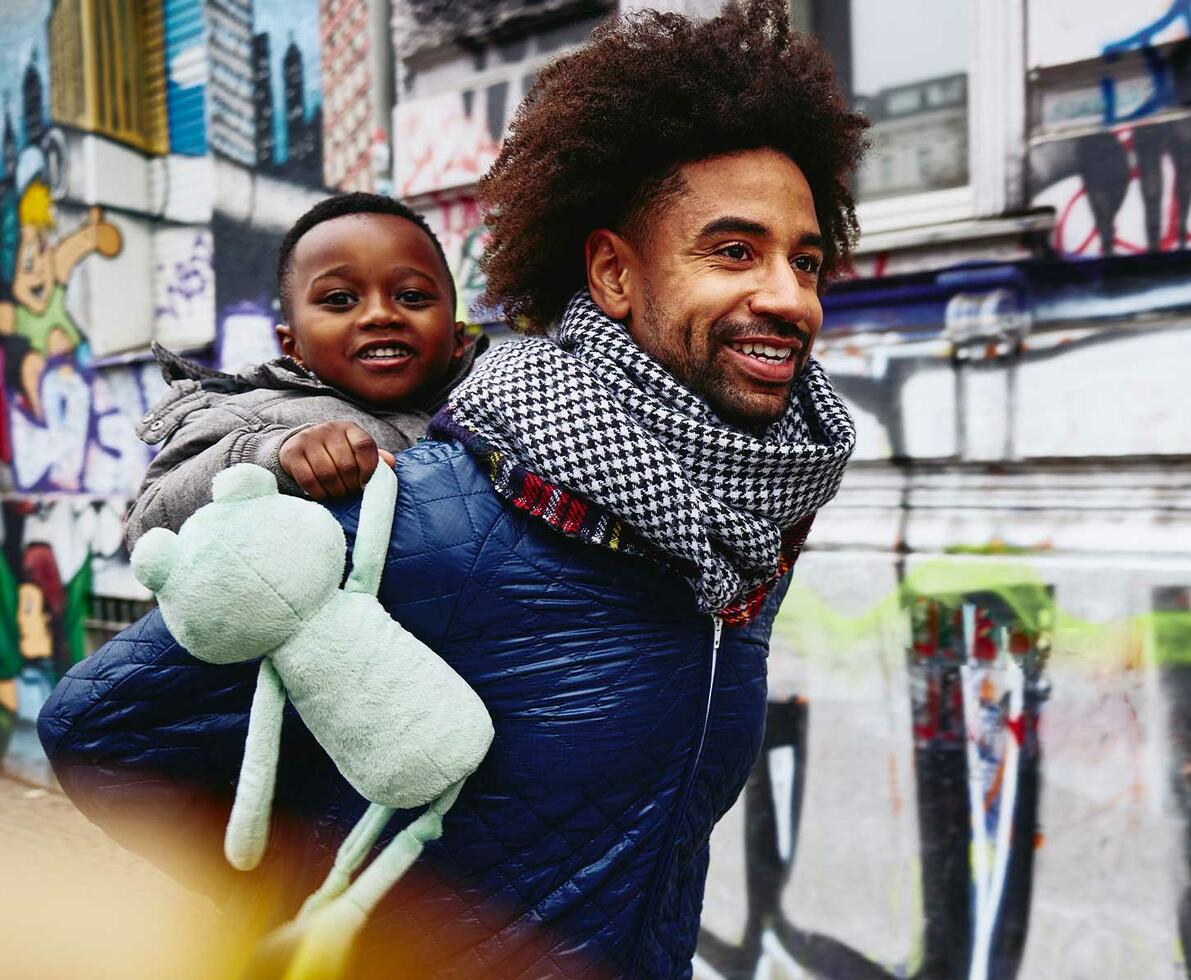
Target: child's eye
(808, 263)
(339, 297)
(412, 296)
(737, 252)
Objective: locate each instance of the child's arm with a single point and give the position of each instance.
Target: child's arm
(178, 481)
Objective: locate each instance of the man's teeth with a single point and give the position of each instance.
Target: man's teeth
(379, 352)
(765, 351)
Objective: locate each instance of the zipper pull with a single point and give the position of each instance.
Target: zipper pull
(719, 629)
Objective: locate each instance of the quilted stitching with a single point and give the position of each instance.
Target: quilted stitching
(579, 847)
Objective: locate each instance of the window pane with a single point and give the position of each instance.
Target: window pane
(906, 66)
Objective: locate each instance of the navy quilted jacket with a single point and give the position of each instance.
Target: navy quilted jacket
(580, 846)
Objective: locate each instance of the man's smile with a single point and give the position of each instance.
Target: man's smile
(766, 362)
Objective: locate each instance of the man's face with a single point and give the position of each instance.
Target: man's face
(725, 291)
(371, 310)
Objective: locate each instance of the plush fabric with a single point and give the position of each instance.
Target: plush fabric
(577, 848)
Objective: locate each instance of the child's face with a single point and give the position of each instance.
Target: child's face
(371, 310)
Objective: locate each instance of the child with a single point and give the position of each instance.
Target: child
(370, 350)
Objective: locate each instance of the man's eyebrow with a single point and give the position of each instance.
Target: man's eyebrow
(732, 225)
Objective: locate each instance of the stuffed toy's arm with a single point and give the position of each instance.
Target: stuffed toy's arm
(248, 828)
(372, 535)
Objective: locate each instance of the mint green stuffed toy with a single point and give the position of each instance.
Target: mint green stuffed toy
(256, 574)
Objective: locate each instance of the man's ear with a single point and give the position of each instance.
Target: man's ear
(288, 342)
(610, 264)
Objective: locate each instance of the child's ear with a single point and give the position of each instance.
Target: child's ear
(461, 340)
(289, 343)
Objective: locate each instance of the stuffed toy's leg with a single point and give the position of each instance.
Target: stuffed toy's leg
(248, 828)
(320, 938)
(351, 854)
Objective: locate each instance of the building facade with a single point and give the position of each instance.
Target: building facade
(976, 760)
(154, 153)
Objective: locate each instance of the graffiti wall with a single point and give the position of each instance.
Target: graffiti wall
(56, 555)
(152, 156)
(975, 760)
(978, 774)
(1120, 183)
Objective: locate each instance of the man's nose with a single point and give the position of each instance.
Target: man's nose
(783, 295)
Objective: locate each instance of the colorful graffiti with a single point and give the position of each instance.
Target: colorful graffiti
(1169, 73)
(63, 425)
(1124, 191)
(975, 666)
(457, 222)
(988, 653)
(1124, 188)
(46, 578)
(444, 142)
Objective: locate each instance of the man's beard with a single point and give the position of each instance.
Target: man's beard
(708, 380)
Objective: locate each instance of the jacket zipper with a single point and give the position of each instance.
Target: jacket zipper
(717, 633)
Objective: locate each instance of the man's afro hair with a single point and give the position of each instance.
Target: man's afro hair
(602, 132)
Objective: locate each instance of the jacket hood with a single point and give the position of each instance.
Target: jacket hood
(285, 374)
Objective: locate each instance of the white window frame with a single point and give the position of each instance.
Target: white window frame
(996, 139)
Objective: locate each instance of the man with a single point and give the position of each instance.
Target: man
(599, 538)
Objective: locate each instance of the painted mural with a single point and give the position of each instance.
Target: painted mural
(1001, 796)
(186, 71)
(52, 555)
(79, 111)
(1125, 187)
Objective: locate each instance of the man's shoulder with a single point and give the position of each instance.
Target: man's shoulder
(445, 493)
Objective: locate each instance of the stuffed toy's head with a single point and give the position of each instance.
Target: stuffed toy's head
(245, 570)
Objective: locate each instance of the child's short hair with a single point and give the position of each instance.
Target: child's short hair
(339, 206)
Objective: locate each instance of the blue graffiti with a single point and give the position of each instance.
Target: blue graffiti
(1162, 91)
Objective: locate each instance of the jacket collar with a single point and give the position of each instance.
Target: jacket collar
(284, 373)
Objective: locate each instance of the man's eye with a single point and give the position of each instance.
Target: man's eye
(808, 263)
(737, 252)
(339, 297)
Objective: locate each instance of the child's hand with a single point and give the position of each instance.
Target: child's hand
(333, 459)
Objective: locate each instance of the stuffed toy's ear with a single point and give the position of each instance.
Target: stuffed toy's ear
(154, 556)
(244, 481)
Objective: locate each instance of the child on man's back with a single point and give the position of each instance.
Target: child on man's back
(370, 350)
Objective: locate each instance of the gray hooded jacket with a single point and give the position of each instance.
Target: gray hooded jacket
(208, 421)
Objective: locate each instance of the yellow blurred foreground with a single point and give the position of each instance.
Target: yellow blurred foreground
(74, 905)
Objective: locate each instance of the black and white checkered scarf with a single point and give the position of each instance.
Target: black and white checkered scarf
(588, 411)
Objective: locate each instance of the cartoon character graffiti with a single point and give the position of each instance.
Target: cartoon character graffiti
(45, 588)
(35, 325)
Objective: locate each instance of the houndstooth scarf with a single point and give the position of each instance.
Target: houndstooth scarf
(588, 414)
